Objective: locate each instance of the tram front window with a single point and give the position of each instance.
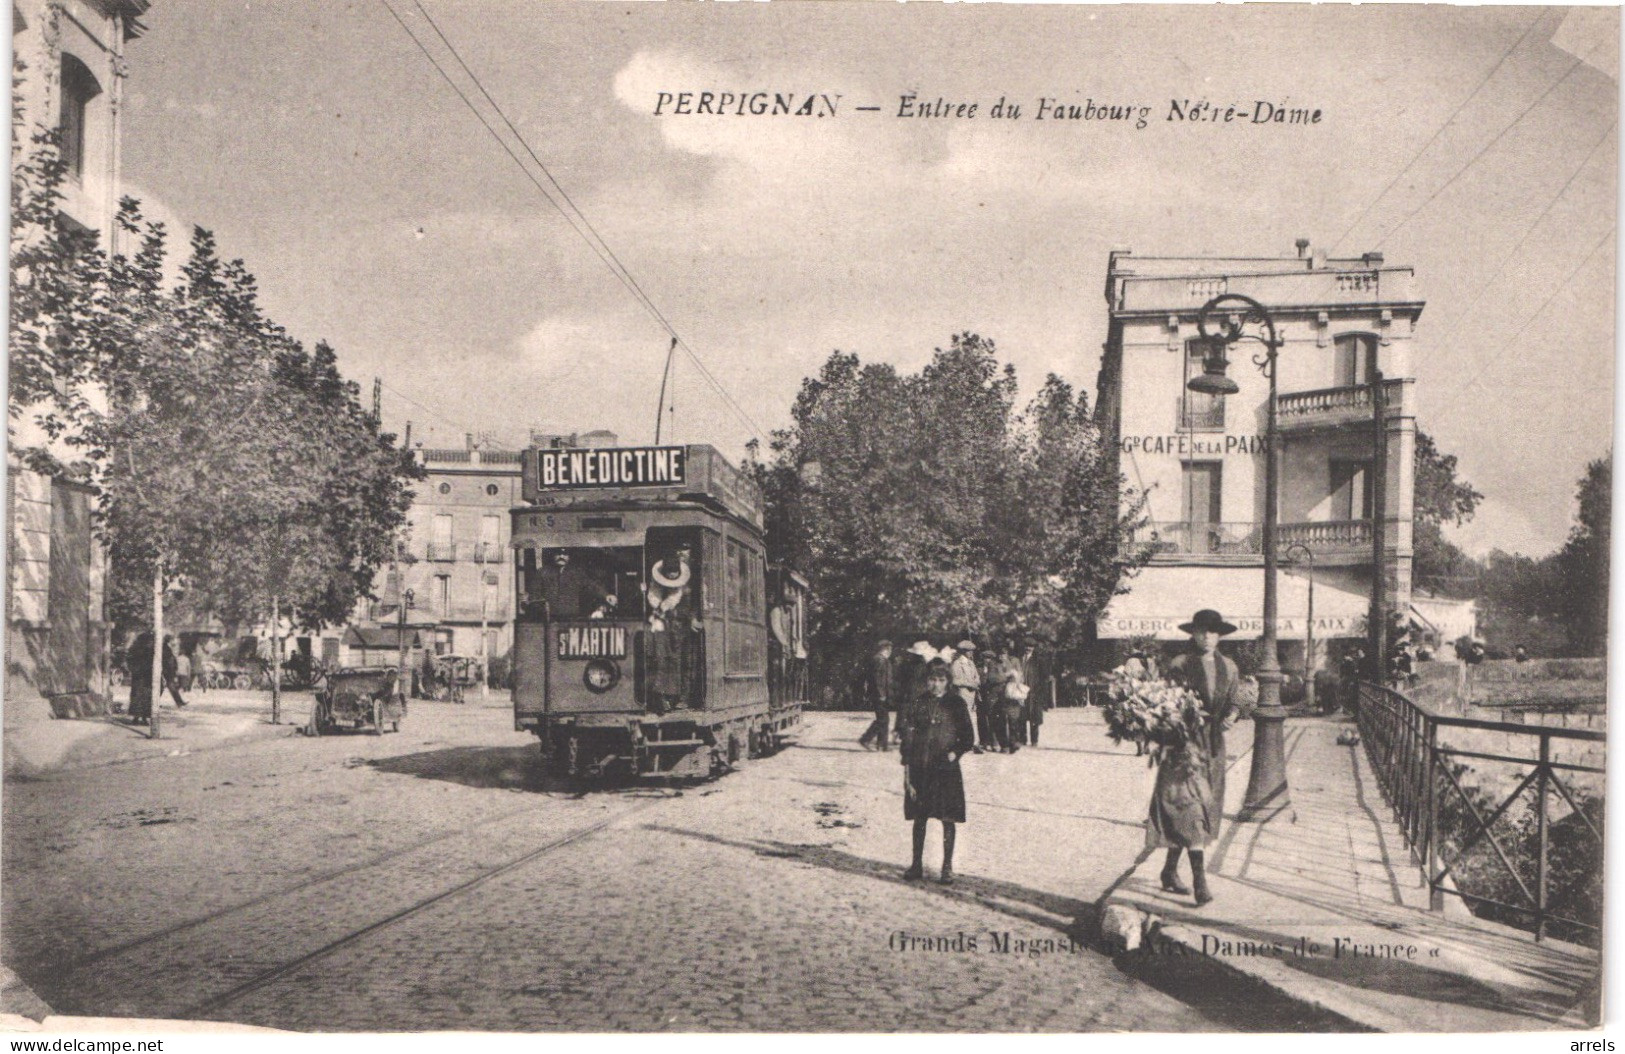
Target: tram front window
(585, 583)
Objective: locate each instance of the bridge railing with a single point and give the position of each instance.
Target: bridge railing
(1471, 846)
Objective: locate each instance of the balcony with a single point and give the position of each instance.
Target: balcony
(495, 612)
(1174, 538)
(1243, 542)
(1340, 407)
(441, 552)
(1331, 536)
(488, 553)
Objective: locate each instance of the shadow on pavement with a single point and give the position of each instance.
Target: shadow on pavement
(1238, 1004)
(508, 768)
(1020, 902)
(492, 768)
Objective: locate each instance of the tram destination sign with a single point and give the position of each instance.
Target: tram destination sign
(592, 641)
(639, 466)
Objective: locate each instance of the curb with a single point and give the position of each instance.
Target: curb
(20, 770)
(1170, 956)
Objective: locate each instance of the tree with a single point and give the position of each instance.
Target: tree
(1440, 498)
(227, 460)
(56, 269)
(925, 503)
(1583, 561)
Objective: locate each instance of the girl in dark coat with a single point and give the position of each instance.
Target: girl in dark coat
(1188, 801)
(937, 732)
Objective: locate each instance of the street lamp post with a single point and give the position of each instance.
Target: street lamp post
(1235, 314)
(1293, 552)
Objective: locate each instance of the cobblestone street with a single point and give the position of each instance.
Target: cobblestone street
(427, 880)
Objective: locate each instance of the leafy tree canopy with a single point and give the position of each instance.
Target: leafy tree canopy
(929, 503)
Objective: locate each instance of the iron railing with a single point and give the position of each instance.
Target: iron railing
(1421, 779)
(441, 551)
(1178, 537)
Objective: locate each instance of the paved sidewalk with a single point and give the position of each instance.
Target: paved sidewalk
(1323, 905)
(34, 749)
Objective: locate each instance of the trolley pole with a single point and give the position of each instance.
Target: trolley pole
(406, 602)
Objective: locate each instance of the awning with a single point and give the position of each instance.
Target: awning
(380, 637)
(1160, 598)
(1449, 619)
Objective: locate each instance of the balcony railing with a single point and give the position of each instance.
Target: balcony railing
(487, 553)
(1337, 406)
(1326, 535)
(1200, 538)
(494, 612)
(1174, 538)
(441, 551)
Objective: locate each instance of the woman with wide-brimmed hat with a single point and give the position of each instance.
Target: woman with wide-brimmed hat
(1187, 804)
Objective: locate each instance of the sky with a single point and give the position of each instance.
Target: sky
(317, 141)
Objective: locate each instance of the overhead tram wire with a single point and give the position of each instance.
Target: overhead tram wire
(573, 215)
(568, 218)
(1481, 152)
(1441, 129)
(1530, 230)
(1478, 375)
(597, 240)
(461, 426)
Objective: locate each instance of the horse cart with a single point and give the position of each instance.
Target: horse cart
(361, 698)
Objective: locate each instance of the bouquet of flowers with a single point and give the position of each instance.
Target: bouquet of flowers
(1158, 713)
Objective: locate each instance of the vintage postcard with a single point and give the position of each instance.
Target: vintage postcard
(734, 518)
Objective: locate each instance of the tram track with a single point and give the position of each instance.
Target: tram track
(114, 950)
(272, 974)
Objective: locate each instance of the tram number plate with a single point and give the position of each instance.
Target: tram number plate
(592, 642)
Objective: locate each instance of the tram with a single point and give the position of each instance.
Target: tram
(651, 638)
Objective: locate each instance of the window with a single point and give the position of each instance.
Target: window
(1198, 411)
(445, 488)
(1351, 490)
(744, 583)
(490, 536)
(576, 582)
(442, 596)
(1201, 486)
(79, 87)
(492, 489)
(1356, 358)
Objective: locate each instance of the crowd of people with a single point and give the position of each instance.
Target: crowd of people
(955, 701)
(1005, 691)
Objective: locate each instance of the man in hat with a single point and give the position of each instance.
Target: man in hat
(1188, 801)
(966, 679)
(910, 679)
(877, 694)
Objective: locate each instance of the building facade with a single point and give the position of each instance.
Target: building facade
(1198, 461)
(72, 68)
(458, 564)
